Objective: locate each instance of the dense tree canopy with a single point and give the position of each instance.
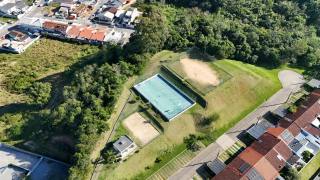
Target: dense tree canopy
(262, 32)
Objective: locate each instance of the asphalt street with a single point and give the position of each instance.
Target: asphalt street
(291, 82)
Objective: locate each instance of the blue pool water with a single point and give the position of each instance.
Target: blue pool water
(165, 97)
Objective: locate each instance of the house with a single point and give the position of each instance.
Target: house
(74, 31)
(314, 83)
(17, 36)
(124, 146)
(280, 146)
(106, 17)
(262, 160)
(259, 128)
(17, 41)
(129, 17)
(12, 9)
(85, 33)
(57, 29)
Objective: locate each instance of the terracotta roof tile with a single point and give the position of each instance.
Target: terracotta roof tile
(275, 131)
(250, 156)
(264, 167)
(55, 26)
(98, 35)
(265, 143)
(86, 33)
(74, 31)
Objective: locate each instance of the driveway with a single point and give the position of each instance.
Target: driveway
(291, 82)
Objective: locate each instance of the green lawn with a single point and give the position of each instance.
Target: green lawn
(248, 88)
(5, 19)
(311, 168)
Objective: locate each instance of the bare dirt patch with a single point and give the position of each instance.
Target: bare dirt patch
(200, 72)
(142, 129)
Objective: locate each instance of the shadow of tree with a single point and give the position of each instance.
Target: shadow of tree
(58, 81)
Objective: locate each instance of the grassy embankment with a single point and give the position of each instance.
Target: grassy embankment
(233, 100)
(44, 58)
(308, 171)
(42, 61)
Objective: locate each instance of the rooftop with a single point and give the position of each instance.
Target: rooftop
(269, 154)
(57, 26)
(122, 143)
(15, 162)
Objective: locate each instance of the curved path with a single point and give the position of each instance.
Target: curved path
(291, 82)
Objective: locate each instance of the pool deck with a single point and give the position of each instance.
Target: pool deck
(167, 86)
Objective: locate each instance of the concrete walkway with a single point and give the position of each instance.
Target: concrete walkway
(291, 82)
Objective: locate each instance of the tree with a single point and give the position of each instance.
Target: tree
(109, 157)
(191, 142)
(307, 155)
(289, 173)
(40, 93)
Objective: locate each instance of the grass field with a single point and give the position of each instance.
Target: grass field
(233, 100)
(42, 61)
(44, 58)
(311, 168)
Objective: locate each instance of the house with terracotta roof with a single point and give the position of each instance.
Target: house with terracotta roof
(74, 31)
(280, 146)
(57, 29)
(87, 34)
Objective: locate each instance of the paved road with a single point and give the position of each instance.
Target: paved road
(291, 82)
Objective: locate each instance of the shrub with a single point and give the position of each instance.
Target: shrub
(203, 123)
(109, 157)
(289, 174)
(40, 93)
(191, 142)
(293, 108)
(307, 155)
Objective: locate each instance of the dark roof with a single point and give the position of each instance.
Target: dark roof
(216, 166)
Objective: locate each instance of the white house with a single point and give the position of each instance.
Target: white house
(124, 146)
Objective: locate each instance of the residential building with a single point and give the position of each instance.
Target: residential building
(124, 146)
(17, 41)
(12, 9)
(314, 83)
(280, 146)
(56, 29)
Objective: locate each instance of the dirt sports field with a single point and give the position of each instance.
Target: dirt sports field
(200, 72)
(141, 129)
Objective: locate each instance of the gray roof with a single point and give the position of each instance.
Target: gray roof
(122, 143)
(253, 174)
(287, 136)
(258, 129)
(295, 145)
(281, 111)
(5, 8)
(17, 4)
(314, 83)
(216, 166)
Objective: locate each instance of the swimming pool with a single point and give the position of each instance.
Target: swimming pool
(164, 96)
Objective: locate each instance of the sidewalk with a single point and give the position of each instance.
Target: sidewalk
(291, 82)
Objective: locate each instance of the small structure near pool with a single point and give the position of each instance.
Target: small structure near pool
(164, 96)
(124, 146)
